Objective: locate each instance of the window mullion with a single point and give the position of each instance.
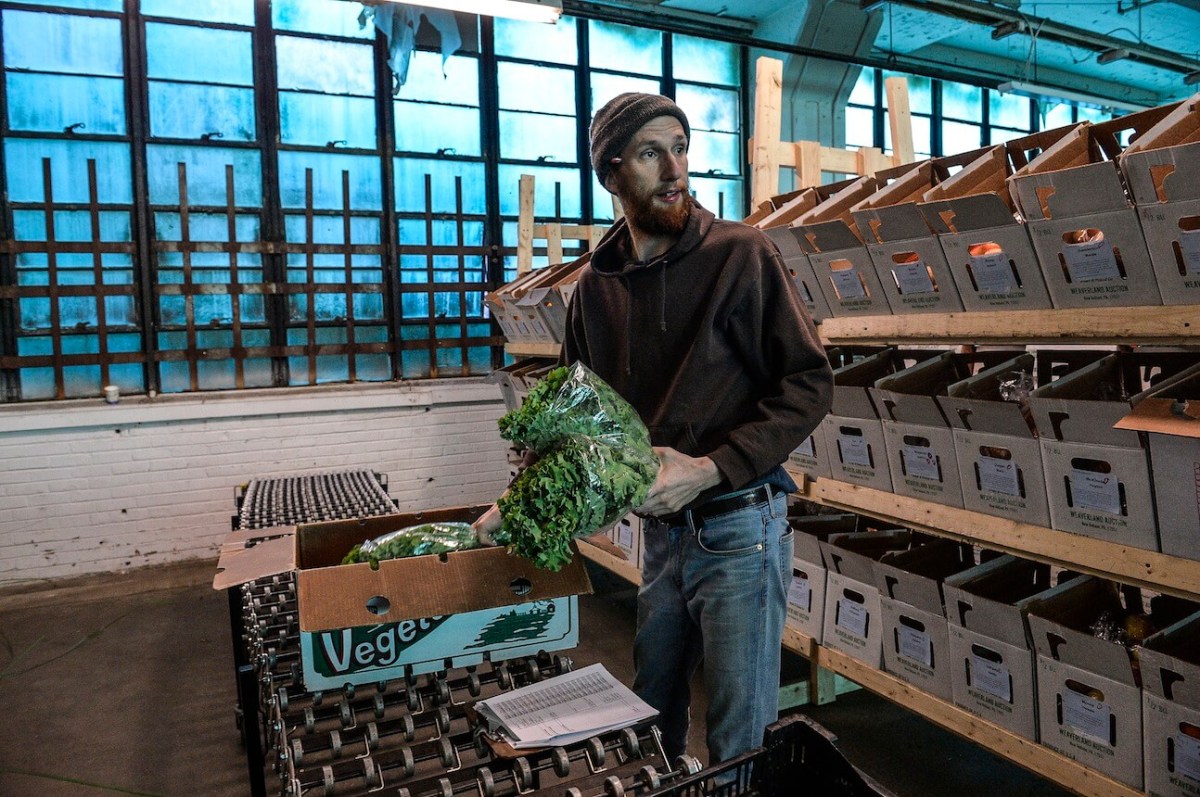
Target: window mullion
(385, 118)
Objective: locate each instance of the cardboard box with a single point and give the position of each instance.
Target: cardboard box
(908, 258)
(916, 642)
(802, 273)
(1170, 668)
(991, 657)
(627, 535)
(410, 616)
(1089, 699)
(812, 456)
(806, 596)
(1084, 229)
(853, 622)
(1169, 414)
(999, 458)
(1162, 169)
(920, 444)
(1098, 477)
(840, 263)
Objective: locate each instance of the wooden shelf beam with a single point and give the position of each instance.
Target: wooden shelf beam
(533, 349)
(1174, 325)
(1155, 571)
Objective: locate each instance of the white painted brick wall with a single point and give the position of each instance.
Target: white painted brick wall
(90, 488)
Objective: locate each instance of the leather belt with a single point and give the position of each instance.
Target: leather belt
(719, 506)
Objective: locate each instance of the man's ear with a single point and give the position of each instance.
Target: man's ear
(610, 182)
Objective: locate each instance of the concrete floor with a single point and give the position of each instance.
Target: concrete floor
(125, 686)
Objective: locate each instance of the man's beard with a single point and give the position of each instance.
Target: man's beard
(651, 219)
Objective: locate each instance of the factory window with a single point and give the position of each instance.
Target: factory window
(318, 204)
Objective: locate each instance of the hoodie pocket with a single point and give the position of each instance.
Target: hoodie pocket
(680, 437)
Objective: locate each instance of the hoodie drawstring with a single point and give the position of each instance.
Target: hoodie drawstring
(662, 309)
(628, 325)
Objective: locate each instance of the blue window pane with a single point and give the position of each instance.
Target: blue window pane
(62, 43)
(1055, 114)
(536, 41)
(723, 197)
(365, 190)
(433, 128)
(961, 101)
(410, 185)
(455, 83)
(709, 109)
(81, 380)
(205, 175)
(999, 135)
(705, 60)
(185, 52)
(184, 110)
(605, 87)
(237, 12)
(545, 179)
(622, 48)
(326, 17)
(52, 103)
(445, 233)
(414, 364)
(922, 131)
(317, 120)
(958, 137)
(524, 87)
(529, 136)
(602, 201)
(721, 152)
(860, 127)
(90, 5)
(327, 66)
(68, 161)
(1009, 110)
(330, 230)
(864, 88)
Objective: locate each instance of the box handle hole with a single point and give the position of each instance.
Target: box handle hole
(520, 586)
(379, 605)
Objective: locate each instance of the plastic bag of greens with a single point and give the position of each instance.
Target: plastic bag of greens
(571, 402)
(419, 540)
(594, 465)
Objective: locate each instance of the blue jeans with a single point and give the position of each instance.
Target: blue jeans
(717, 592)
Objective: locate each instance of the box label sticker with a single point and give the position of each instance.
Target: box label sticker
(920, 461)
(998, 476)
(847, 283)
(1089, 717)
(991, 678)
(852, 617)
(1096, 491)
(854, 450)
(800, 594)
(1189, 246)
(915, 645)
(1091, 261)
(913, 278)
(993, 274)
(625, 536)
(1187, 757)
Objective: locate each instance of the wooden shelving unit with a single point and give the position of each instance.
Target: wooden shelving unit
(1150, 569)
(1175, 325)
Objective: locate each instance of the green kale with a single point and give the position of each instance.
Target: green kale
(426, 538)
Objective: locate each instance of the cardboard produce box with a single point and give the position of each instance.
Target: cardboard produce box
(987, 250)
(916, 641)
(919, 441)
(1169, 414)
(991, 656)
(996, 445)
(1083, 226)
(812, 456)
(416, 615)
(1170, 668)
(853, 623)
(840, 263)
(801, 270)
(1089, 697)
(806, 595)
(1098, 477)
(907, 256)
(627, 535)
(1162, 168)
(853, 433)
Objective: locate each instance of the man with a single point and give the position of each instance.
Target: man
(697, 323)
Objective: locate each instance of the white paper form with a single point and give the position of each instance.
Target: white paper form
(565, 709)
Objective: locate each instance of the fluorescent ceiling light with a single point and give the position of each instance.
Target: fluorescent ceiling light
(1115, 54)
(868, 6)
(527, 10)
(1047, 92)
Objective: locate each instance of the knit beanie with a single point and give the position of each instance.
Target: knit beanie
(621, 117)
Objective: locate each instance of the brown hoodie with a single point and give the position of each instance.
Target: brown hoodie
(710, 343)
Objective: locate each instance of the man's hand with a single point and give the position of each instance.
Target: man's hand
(680, 479)
(487, 523)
